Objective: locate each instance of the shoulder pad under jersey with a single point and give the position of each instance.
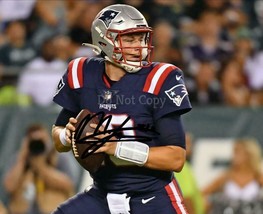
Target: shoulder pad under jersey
(157, 76)
(75, 72)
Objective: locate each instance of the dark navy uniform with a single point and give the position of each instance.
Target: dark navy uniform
(144, 96)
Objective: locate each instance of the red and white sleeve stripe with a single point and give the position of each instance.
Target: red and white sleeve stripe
(176, 198)
(75, 73)
(157, 77)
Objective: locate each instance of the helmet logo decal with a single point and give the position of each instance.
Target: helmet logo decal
(107, 16)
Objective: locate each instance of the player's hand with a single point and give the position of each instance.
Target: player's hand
(70, 128)
(108, 147)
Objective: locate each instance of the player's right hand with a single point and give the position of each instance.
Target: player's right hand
(70, 128)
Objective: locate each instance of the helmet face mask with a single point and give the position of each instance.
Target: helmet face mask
(144, 49)
(116, 21)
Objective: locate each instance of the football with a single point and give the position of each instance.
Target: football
(81, 146)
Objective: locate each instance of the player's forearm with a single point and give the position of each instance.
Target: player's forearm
(56, 139)
(170, 158)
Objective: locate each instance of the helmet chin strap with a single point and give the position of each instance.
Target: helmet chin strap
(133, 69)
(130, 68)
(127, 68)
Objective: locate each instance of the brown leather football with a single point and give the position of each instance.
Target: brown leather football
(83, 147)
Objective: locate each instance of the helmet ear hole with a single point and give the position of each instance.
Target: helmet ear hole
(114, 21)
(102, 44)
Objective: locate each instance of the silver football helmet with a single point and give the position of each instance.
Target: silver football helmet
(114, 21)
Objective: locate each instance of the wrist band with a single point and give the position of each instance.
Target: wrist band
(132, 151)
(62, 137)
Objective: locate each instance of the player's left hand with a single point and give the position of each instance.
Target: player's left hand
(108, 147)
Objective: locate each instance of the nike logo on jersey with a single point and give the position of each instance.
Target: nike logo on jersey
(144, 201)
(178, 77)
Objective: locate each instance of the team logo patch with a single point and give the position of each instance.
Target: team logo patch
(105, 99)
(177, 94)
(107, 16)
(61, 84)
(107, 95)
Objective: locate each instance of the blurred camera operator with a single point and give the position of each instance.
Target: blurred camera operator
(34, 182)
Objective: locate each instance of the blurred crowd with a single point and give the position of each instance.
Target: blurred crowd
(217, 43)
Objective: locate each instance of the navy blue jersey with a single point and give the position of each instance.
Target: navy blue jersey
(144, 97)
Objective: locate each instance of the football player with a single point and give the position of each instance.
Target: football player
(145, 101)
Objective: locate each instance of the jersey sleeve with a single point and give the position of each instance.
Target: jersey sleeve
(166, 83)
(68, 90)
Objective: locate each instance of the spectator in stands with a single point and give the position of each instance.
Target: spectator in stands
(74, 9)
(193, 198)
(17, 51)
(11, 11)
(15, 10)
(204, 88)
(241, 182)
(258, 28)
(252, 58)
(80, 28)
(166, 47)
(234, 86)
(47, 19)
(206, 42)
(244, 48)
(80, 17)
(170, 11)
(77, 49)
(63, 47)
(234, 23)
(14, 54)
(38, 179)
(40, 77)
(3, 210)
(197, 7)
(67, 48)
(8, 93)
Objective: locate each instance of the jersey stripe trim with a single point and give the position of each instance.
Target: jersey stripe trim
(157, 77)
(150, 77)
(162, 78)
(70, 82)
(75, 73)
(176, 198)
